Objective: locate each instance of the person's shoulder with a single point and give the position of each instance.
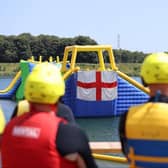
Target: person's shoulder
(63, 106)
(65, 112)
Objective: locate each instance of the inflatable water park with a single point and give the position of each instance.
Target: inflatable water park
(100, 92)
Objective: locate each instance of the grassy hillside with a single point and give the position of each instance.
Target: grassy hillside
(131, 69)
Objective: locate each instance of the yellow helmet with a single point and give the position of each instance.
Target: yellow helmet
(44, 84)
(155, 68)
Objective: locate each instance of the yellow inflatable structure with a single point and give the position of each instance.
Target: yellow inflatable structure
(2, 121)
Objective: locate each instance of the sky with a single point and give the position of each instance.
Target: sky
(135, 25)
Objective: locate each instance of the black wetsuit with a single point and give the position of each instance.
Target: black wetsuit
(71, 138)
(74, 140)
(122, 134)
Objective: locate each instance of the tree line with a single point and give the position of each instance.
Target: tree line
(23, 46)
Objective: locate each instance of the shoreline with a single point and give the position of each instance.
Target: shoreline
(131, 69)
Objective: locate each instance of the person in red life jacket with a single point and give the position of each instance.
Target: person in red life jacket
(143, 129)
(39, 138)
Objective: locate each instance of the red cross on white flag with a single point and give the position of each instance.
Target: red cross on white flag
(96, 85)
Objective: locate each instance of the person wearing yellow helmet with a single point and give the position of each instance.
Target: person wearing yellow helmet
(143, 129)
(40, 138)
(63, 110)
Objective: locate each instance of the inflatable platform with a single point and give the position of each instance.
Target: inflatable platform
(89, 93)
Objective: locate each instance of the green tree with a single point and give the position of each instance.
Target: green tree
(15, 48)
(23, 47)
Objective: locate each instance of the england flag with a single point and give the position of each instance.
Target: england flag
(96, 85)
(96, 93)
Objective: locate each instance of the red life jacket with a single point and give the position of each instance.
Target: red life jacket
(29, 141)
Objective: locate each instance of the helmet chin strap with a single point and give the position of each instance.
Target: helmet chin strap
(157, 95)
